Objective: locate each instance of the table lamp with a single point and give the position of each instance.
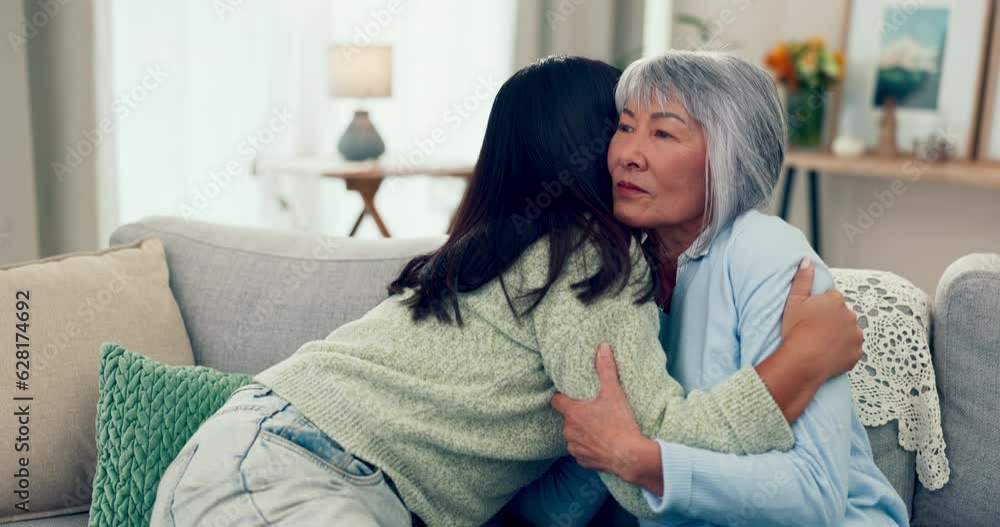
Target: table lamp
(360, 72)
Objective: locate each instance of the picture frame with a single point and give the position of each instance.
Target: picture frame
(989, 132)
(929, 56)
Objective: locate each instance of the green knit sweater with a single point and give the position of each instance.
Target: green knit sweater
(460, 419)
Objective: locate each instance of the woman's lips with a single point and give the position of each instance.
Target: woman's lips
(626, 189)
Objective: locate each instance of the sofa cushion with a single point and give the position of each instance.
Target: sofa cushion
(73, 303)
(250, 297)
(146, 413)
(967, 357)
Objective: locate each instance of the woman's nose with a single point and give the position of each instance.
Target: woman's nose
(632, 157)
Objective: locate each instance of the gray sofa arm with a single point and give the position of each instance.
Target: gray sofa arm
(966, 350)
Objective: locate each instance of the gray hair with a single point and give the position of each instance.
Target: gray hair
(738, 107)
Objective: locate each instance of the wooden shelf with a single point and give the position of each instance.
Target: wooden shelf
(973, 173)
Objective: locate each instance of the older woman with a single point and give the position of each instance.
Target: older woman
(699, 146)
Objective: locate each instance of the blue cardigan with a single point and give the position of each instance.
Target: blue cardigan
(725, 314)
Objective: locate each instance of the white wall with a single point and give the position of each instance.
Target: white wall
(61, 76)
(18, 215)
(926, 228)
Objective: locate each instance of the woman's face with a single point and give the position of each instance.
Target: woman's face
(657, 164)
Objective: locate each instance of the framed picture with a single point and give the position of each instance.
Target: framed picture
(927, 56)
(989, 131)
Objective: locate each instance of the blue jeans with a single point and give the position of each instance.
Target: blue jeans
(258, 461)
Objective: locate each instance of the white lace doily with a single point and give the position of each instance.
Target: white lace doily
(895, 377)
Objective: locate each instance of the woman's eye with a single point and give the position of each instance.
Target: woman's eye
(662, 134)
(624, 128)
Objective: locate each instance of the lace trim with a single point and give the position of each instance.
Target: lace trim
(895, 377)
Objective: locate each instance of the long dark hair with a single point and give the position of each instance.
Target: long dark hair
(542, 171)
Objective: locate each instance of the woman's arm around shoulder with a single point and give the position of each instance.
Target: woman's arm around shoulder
(739, 416)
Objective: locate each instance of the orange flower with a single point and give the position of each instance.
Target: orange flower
(779, 60)
(805, 62)
(816, 43)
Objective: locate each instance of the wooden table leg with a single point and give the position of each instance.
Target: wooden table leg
(367, 187)
(370, 205)
(361, 216)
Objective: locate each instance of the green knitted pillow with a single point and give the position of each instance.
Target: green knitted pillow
(146, 411)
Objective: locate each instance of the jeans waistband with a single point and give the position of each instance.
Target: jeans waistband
(253, 393)
(251, 386)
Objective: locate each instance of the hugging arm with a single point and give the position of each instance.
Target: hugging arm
(805, 486)
(789, 369)
(738, 416)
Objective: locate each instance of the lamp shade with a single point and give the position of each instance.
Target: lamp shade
(360, 71)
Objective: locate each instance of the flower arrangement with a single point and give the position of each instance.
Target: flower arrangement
(809, 65)
(807, 70)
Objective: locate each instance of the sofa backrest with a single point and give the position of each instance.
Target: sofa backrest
(966, 353)
(250, 297)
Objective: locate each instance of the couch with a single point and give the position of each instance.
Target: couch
(249, 297)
